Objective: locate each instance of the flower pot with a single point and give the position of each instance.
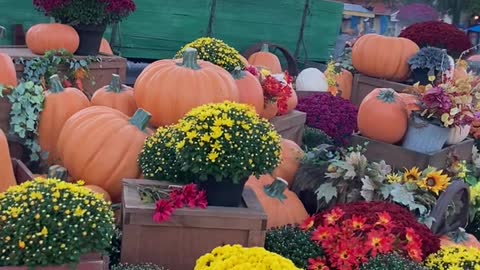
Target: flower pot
(424, 137)
(94, 261)
(457, 134)
(421, 75)
(90, 38)
(270, 110)
(225, 193)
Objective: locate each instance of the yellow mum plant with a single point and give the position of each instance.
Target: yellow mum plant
(454, 258)
(215, 51)
(239, 258)
(48, 222)
(228, 141)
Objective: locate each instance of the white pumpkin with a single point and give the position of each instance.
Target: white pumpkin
(311, 79)
(458, 134)
(449, 72)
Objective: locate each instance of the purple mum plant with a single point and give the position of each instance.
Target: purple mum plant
(335, 116)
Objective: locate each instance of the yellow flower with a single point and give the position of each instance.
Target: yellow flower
(180, 145)
(412, 175)
(21, 244)
(213, 156)
(217, 132)
(80, 182)
(79, 212)
(435, 181)
(394, 178)
(44, 232)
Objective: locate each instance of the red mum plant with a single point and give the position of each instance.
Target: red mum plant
(352, 241)
(387, 218)
(275, 89)
(186, 196)
(438, 34)
(87, 12)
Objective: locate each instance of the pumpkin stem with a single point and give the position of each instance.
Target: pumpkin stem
(57, 172)
(140, 119)
(387, 95)
(238, 73)
(265, 48)
(276, 189)
(190, 59)
(115, 85)
(55, 84)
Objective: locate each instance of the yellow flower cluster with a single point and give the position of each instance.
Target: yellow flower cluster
(44, 220)
(227, 140)
(429, 179)
(454, 258)
(215, 51)
(331, 73)
(237, 257)
(475, 195)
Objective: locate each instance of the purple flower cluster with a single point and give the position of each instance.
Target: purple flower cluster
(333, 115)
(50, 5)
(437, 100)
(120, 6)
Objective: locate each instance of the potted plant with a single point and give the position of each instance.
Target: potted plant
(89, 18)
(221, 145)
(51, 224)
(428, 63)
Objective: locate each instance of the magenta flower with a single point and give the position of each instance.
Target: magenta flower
(436, 99)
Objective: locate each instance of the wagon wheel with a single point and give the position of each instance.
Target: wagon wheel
(291, 61)
(452, 209)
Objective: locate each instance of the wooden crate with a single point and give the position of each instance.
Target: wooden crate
(22, 173)
(93, 261)
(399, 157)
(101, 73)
(362, 85)
(190, 233)
(291, 126)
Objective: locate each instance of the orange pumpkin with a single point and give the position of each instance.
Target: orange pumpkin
(101, 191)
(270, 110)
(60, 104)
(169, 89)
(382, 116)
(249, 88)
(459, 237)
(292, 155)
(345, 83)
(7, 176)
(100, 145)
(41, 38)
(383, 57)
(281, 205)
(411, 102)
(105, 47)
(8, 75)
(266, 59)
(116, 96)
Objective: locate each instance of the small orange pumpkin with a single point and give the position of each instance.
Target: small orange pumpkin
(8, 75)
(281, 205)
(459, 237)
(266, 59)
(41, 38)
(345, 83)
(383, 57)
(270, 110)
(60, 104)
(292, 156)
(100, 145)
(7, 176)
(249, 88)
(116, 96)
(411, 102)
(292, 102)
(105, 47)
(169, 89)
(382, 116)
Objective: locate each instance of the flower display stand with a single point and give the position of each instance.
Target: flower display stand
(362, 85)
(22, 173)
(100, 73)
(94, 261)
(291, 126)
(190, 233)
(400, 158)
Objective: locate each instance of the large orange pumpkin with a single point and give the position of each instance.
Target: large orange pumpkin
(60, 104)
(7, 176)
(116, 96)
(382, 116)
(41, 38)
(100, 145)
(8, 75)
(105, 47)
(249, 88)
(281, 205)
(292, 156)
(383, 57)
(266, 59)
(169, 89)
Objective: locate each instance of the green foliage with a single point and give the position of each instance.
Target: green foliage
(345, 61)
(293, 243)
(431, 58)
(27, 104)
(391, 262)
(115, 247)
(314, 137)
(143, 266)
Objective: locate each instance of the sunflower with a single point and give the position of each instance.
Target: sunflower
(412, 175)
(435, 181)
(394, 178)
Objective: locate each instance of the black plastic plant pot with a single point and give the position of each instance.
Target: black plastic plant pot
(225, 193)
(90, 39)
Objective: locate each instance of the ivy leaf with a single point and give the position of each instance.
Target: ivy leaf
(326, 191)
(427, 220)
(401, 195)
(415, 206)
(386, 190)
(368, 189)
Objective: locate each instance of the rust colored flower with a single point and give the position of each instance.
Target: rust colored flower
(358, 222)
(318, 264)
(333, 216)
(380, 242)
(308, 223)
(384, 219)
